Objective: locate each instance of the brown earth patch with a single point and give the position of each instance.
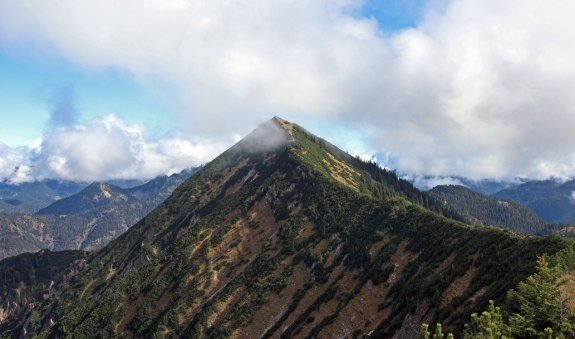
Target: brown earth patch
(362, 312)
(400, 259)
(445, 264)
(220, 309)
(308, 229)
(344, 285)
(411, 325)
(275, 306)
(311, 295)
(111, 273)
(87, 288)
(286, 125)
(458, 286)
(375, 248)
(567, 289)
(320, 247)
(333, 255)
(252, 174)
(213, 186)
(129, 314)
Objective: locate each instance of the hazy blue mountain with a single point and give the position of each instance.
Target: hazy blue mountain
(484, 186)
(126, 183)
(86, 220)
(553, 201)
(29, 197)
(95, 196)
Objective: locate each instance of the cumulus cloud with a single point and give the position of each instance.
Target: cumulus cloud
(105, 148)
(480, 88)
(427, 183)
(13, 164)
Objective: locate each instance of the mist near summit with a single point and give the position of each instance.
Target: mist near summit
(476, 88)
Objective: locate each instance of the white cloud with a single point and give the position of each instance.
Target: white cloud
(427, 183)
(483, 88)
(13, 164)
(105, 148)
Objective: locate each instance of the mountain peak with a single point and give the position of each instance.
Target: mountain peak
(100, 185)
(96, 195)
(286, 125)
(285, 218)
(269, 136)
(102, 188)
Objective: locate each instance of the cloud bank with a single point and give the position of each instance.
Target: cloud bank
(480, 88)
(105, 148)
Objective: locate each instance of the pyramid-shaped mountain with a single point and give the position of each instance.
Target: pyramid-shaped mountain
(284, 235)
(96, 195)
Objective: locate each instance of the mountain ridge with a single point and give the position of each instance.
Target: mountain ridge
(297, 223)
(96, 195)
(551, 200)
(477, 208)
(86, 220)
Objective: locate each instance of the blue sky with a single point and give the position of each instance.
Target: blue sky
(472, 88)
(28, 74)
(27, 80)
(393, 15)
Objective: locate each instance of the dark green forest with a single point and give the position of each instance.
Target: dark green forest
(477, 208)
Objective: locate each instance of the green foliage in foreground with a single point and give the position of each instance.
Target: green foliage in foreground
(538, 308)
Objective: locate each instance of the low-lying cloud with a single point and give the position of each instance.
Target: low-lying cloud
(105, 148)
(480, 88)
(13, 163)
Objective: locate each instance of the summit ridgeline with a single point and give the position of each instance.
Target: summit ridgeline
(285, 235)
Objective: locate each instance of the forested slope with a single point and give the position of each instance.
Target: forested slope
(284, 235)
(477, 208)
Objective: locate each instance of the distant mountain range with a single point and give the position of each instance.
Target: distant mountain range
(29, 197)
(426, 182)
(484, 186)
(552, 201)
(96, 196)
(86, 220)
